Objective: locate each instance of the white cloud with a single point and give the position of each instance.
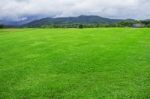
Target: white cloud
(18, 9)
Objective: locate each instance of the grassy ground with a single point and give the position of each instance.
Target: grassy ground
(75, 63)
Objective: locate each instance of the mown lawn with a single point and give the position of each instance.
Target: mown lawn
(107, 63)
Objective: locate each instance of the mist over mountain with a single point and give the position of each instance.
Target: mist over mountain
(20, 21)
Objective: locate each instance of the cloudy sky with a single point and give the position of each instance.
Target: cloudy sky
(22, 9)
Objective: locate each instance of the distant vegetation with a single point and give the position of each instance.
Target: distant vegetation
(7, 26)
(80, 26)
(83, 22)
(136, 24)
(1, 26)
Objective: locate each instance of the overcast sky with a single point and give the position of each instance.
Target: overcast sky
(21, 9)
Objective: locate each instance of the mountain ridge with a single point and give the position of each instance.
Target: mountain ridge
(83, 19)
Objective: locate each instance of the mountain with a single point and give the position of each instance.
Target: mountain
(71, 20)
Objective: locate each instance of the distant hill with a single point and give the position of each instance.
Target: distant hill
(71, 20)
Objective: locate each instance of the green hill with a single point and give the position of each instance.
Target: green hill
(71, 20)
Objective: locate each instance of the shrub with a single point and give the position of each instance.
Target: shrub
(80, 26)
(1, 26)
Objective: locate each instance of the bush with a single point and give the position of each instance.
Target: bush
(1, 26)
(80, 26)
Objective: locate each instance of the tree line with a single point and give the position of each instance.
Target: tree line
(143, 24)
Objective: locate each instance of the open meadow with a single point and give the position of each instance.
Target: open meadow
(102, 63)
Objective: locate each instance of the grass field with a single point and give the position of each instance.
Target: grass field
(102, 63)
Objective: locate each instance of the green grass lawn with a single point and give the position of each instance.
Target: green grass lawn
(112, 63)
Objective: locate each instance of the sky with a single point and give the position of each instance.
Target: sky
(118, 9)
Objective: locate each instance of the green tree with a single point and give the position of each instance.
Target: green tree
(1, 26)
(80, 26)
